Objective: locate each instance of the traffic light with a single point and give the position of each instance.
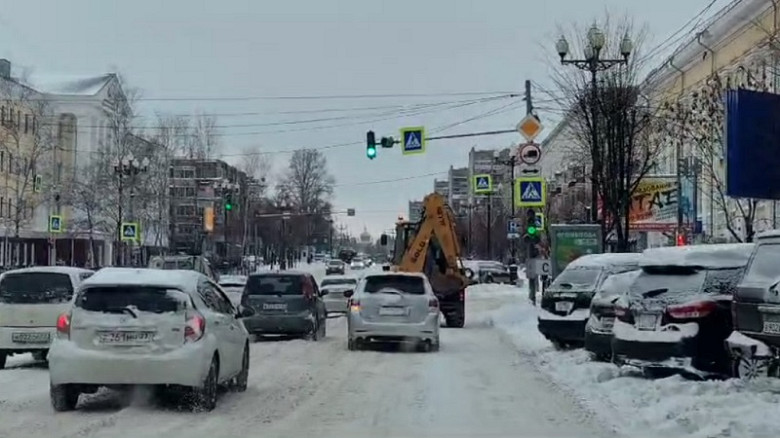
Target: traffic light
(530, 222)
(370, 145)
(387, 142)
(229, 202)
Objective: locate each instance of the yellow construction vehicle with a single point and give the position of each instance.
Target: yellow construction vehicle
(431, 246)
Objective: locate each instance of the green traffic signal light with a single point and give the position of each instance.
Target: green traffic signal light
(371, 152)
(531, 230)
(228, 206)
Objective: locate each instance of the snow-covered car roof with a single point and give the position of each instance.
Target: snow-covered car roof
(53, 269)
(173, 279)
(232, 280)
(606, 260)
(716, 256)
(391, 273)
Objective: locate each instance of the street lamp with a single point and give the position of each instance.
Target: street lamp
(284, 207)
(594, 63)
(127, 166)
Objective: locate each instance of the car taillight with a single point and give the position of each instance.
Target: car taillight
(63, 324)
(194, 328)
(624, 314)
(691, 310)
(433, 305)
(354, 305)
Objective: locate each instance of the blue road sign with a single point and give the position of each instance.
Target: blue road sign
(130, 231)
(512, 227)
(55, 224)
(413, 140)
(539, 220)
(483, 183)
(530, 192)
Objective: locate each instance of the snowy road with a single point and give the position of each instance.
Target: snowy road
(478, 385)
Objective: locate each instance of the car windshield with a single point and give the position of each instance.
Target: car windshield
(335, 263)
(402, 283)
(35, 288)
(275, 285)
(114, 299)
(339, 282)
(577, 279)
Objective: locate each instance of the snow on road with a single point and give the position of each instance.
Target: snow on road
(477, 386)
(636, 406)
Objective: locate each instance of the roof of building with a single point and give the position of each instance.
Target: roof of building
(76, 85)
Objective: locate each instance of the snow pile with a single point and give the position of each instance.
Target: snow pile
(635, 405)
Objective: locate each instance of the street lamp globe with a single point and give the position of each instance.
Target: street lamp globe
(626, 45)
(588, 52)
(596, 38)
(562, 47)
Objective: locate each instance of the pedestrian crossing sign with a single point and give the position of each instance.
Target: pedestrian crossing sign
(483, 183)
(530, 192)
(130, 231)
(413, 140)
(55, 223)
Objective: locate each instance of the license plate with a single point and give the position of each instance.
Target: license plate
(275, 306)
(646, 321)
(125, 337)
(563, 306)
(392, 311)
(772, 327)
(31, 338)
(607, 323)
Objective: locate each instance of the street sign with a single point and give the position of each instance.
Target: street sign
(530, 153)
(529, 127)
(350, 212)
(543, 267)
(540, 220)
(55, 224)
(130, 231)
(512, 229)
(483, 183)
(413, 140)
(530, 192)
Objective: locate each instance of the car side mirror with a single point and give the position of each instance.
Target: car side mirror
(245, 312)
(349, 293)
(323, 292)
(469, 273)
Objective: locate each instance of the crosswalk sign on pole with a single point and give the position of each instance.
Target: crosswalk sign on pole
(530, 192)
(413, 140)
(483, 183)
(130, 231)
(540, 220)
(55, 223)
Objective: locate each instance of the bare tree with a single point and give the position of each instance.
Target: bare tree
(87, 204)
(611, 123)
(204, 137)
(256, 166)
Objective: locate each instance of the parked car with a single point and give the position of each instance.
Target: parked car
(233, 286)
(332, 290)
(565, 305)
(393, 307)
(754, 345)
(676, 315)
(285, 303)
(190, 262)
(335, 267)
(172, 329)
(31, 299)
(598, 329)
(489, 271)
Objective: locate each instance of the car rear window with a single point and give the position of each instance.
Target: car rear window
(577, 279)
(117, 299)
(401, 283)
(185, 264)
(275, 285)
(339, 281)
(677, 280)
(232, 284)
(35, 288)
(334, 263)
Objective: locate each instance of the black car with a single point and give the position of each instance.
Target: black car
(676, 315)
(754, 345)
(598, 329)
(335, 267)
(285, 303)
(565, 306)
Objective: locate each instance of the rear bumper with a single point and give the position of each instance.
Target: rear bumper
(598, 343)
(296, 323)
(428, 330)
(186, 366)
(569, 329)
(7, 343)
(334, 272)
(336, 306)
(653, 354)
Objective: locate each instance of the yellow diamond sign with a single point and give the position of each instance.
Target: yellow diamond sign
(529, 127)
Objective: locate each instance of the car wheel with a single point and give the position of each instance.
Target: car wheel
(351, 345)
(435, 346)
(241, 381)
(63, 397)
(745, 367)
(323, 328)
(454, 321)
(314, 332)
(3, 356)
(489, 279)
(204, 398)
(424, 346)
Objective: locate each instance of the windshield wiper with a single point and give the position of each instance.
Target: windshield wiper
(566, 285)
(127, 310)
(654, 293)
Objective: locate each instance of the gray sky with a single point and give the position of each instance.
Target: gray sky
(188, 49)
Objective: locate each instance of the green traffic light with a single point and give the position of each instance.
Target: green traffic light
(371, 152)
(228, 207)
(531, 231)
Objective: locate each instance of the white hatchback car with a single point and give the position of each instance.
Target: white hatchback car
(175, 329)
(31, 299)
(394, 307)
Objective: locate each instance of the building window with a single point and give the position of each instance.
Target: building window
(10, 161)
(26, 123)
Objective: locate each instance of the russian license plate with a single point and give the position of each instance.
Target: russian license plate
(392, 311)
(275, 306)
(564, 306)
(607, 323)
(772, 327)
(31, 338)
(125, 337)
(646, 321)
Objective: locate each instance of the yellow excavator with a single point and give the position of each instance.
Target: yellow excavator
(431, 246)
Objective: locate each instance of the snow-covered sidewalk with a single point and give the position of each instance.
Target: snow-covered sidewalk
(633, 405)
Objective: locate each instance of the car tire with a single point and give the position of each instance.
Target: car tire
(435, 346)
(63, 397)
(3, 356)
(351, 345)
(241, 381)
(314, 332)
(323, 325)
(748, 367)
(454, 321)
(204, 398)
(424, 346)
(489, 279)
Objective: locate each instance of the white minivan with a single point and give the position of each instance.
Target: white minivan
(31, 299)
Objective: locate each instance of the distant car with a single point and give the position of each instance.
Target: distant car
(189, 262)
(286, 303)
(31, 299)
(565, 306)
(357, 265)
(332, 289)
(335, 267)
(173, 329)
(492, 272)
(233, 286)
(395, 307)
